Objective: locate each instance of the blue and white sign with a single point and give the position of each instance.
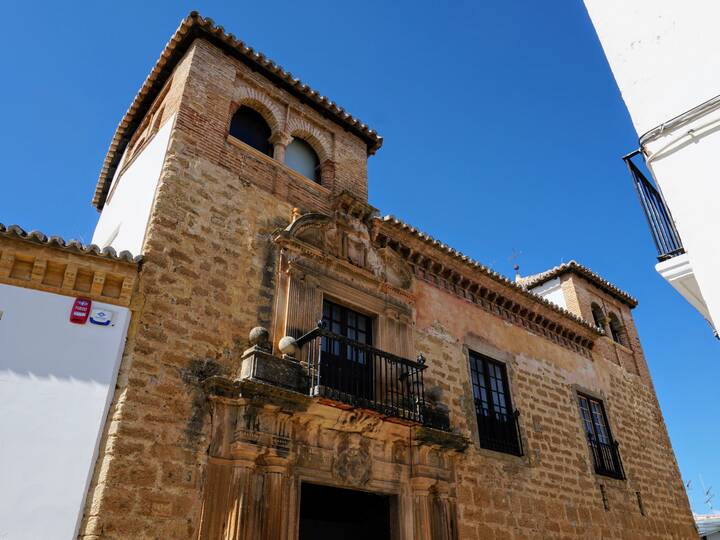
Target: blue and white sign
(101, 317)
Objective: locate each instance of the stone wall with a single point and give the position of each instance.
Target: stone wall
(210, 274)
(552, 490)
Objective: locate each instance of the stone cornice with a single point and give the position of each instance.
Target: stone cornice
(49, 267)
(342, 268)
(442, 266)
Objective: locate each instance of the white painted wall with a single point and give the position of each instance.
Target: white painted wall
(124, 218)
(687, 173)
(679, 273)
(56, 384)
(552, 291)
(663, 54)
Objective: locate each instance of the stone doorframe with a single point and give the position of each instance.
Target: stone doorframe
(266, 440)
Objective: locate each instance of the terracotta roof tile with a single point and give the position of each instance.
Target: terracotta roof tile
(195, 26)
(583, 271)
(36, 237)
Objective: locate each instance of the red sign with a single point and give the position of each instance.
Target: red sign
(80, 311)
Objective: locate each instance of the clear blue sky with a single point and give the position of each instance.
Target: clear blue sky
(503, 133)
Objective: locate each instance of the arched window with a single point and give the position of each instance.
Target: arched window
(617, 330)
(598, 315)
(250, 127)
(301, 157)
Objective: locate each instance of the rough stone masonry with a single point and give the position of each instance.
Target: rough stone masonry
(211, 435)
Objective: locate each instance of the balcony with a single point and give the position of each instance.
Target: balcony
(667, 240)
(673, 262)
(347, 372)
(606, 458)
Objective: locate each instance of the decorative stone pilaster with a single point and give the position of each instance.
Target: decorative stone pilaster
(327, 174)
(280, 142)
(432, 483)
(435, 512)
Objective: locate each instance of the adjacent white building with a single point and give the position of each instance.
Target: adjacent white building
(708, 526)
(64, 316)
(663, 54)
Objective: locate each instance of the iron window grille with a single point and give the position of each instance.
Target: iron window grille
(604, 450)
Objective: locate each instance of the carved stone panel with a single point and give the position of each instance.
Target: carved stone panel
(266, 442)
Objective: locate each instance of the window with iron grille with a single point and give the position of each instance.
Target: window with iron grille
(344, 367)
(497, 421)
(604, 450)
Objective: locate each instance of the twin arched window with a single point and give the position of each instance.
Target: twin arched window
(301, 157)
(598, 315)
(250, 127)
(617, 330)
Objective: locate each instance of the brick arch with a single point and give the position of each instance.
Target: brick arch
(262, 104)
(304, 130)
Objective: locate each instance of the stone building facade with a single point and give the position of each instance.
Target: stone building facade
(449, 394)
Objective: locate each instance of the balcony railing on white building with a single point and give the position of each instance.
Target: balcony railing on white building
(667, 240)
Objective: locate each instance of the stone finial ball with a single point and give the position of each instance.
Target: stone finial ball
(259, 336)
(288, 345)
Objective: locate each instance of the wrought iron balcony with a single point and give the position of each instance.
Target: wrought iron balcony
(499, 431)
(660, 221)
(606, 458)
(357, 374)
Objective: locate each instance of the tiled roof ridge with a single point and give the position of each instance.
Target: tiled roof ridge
(195, 25)
(36, 237)
(488, 271)
(584, 271)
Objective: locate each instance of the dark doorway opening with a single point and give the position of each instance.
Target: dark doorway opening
(329, 513)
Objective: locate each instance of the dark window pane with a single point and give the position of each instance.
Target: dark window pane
(604, 451)
(585, 412)
(598, 316)
(496, 421)
(250, 127)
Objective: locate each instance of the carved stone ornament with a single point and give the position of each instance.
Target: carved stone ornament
(350, 238)
(352, 466)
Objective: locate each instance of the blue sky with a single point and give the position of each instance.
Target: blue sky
(503, 135)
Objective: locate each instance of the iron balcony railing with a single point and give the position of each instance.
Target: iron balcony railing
(499, 431)
(662, 226)
(606, 458)
(347, 371)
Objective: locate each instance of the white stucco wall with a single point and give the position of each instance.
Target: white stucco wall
(687, 175)
(124, 218)
(663, 54)
(56, 384)
(552, 291)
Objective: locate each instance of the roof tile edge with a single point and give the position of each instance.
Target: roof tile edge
(583, 271)
(191, 27)
(75, 246)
